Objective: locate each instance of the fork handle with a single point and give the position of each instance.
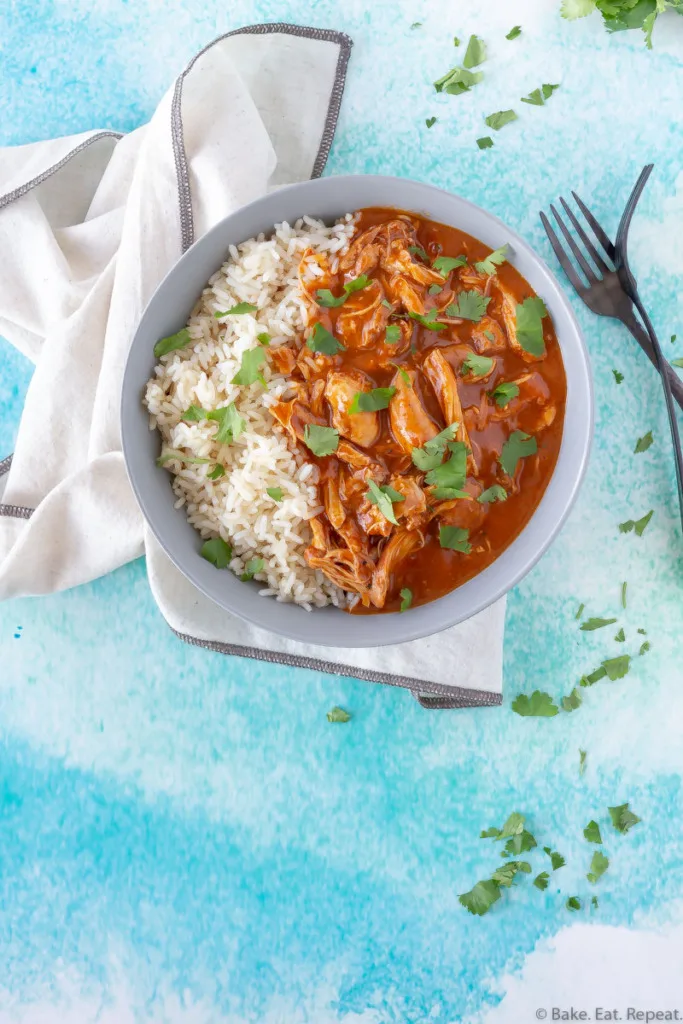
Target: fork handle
(643, 339)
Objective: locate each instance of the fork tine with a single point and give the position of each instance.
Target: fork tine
(562, 257)
(591, 275)
(599, 262)
(602, 236)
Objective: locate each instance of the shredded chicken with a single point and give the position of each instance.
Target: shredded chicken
(362, 428)
(411, 425)
(440, 375)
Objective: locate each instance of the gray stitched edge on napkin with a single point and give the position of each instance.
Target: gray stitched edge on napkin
(430, 695)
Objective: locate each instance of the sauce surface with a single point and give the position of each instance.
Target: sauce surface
(354, 543)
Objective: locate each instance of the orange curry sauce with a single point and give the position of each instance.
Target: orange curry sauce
(379, 447)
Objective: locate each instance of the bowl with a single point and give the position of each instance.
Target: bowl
(169, 310)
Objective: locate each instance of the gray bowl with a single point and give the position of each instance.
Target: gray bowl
(168, 311)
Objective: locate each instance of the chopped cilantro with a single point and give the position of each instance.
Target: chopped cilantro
(500, 118)
(494, 259)
(624, 587)
(321, 440)
(253, 566)
(644, 647)
(393, 334)
(673, 338)
(456, 41)
(264, 339)
(275, 493)
(486, 142)
(514, 32)
(249, 371)
(444, 264)
(594, 902)
(592, 832)
(429, 321)
(417, 250)
(506, 873)
(384, 497)
(470, 306)
(216, 473)
(573, 903)
(405, 376)
(494, 493)
(173, 453)
(617, 668)
(541, 881)
(572, 702)
(529, 325)
(643, 443)
(514, 826)
(429, 121)
(618, 376)
(643, 632)
(579, 612)
(623, 818)
(477, 366)
(448, 479)
(520, 843)
(455, 538)
(430, 455)
(434, 289)
(324, 296)
(230, 423)
(416, 24)
(620, 637)
(194, 414)
(172, 343)
(481, 898)
(475, 53)
(457, 81)
(549, 89)
(557, 861)
(217, 552)
(590, 624)
(337, 714)
(582, 761)
(518, 446)
(372, 401)
(639, 525)
(406, 599)
(535, 98)
(594, 677)
(504, 392)
(538, 705)
(322, 341)
(238, 310)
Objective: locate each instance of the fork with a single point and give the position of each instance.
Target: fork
(612, 291)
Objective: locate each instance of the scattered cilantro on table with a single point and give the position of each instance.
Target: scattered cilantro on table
(337, 714)
(538, 705)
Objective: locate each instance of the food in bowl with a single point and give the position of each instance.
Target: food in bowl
(364, 414)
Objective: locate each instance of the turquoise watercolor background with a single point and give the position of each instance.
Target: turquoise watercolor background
(184, 837)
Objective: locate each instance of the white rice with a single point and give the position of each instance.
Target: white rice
(236, 507)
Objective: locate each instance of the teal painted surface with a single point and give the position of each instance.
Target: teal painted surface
(184, 836)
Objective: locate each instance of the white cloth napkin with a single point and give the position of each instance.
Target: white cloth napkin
(89, 225)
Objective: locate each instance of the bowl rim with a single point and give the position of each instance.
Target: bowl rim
(494, 581)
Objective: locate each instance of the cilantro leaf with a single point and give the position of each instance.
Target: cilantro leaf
(238, 310)
(372, 401)
(470, 306)
(490, 833)
(620, 637)
(384, 497)
(172, 343)
(520, 843)
(505, 874)
(416, 24)
(393, 334)
(643, 443)
(500, 119)
(169, 454)
(264, 339)
(456, 41)
(475, 53)
(514, 826)
(573, 903)
(455, 538)
(406, 596)
(485, 143)
(434, 289)
(477, 366)
(405, 377)
(590, 624)
(494, 259)
(638, 525)
(444, 264)
(429, 321)
(275, 493)
(572, 9)
(324, 296)
(557, 861)
(481, 898)
(321, 441)
(594, 902)
(535, 98)
(217, 552)
(617, 668)
(417, 250)
(541, 881)
(623, 818)
(618, 376)
(518, 446)
(529, 325)
(230, 423)
(582, 761)
(548, 89)
(322, 341)
(429, 121)
(216, 473)
(430, 455)
(504, 392)
(644, 647)
(337, 714)
(514, 32)
(249, 371)
(457, 81)
(594, 677)
(572, 702)
(579, 612)
(194, 414)
(450, 477)
(599, 864)
(592, 832)
(538, 705)
(491, 494)
(624, 586)
(253, 566)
